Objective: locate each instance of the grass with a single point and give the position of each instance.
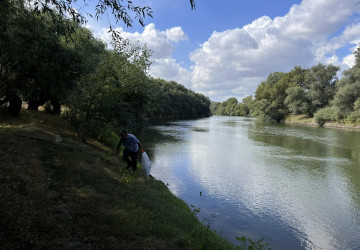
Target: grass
(302, 119)
(72, 195)
(310, 121)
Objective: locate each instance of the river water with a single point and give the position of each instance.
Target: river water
(296, 187)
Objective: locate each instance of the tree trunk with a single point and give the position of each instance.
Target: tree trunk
(3, 101)
(33, 104)
(56, 107)
(15, 104)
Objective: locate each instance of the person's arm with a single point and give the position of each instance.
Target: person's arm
(140, 147)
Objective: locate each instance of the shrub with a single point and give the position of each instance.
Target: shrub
(109, 137)
(354, 117)
(357, 105)
(328, 114)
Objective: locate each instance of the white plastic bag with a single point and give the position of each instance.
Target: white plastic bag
(146, 164)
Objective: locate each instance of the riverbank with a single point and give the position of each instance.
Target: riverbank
(58, 192)
(306, 121)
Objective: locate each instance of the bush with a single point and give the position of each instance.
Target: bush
(354, 117)
(109, 137)
(357, 105)
(328, 114)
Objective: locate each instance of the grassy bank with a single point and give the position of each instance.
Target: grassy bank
(57, 192)
(304, 120)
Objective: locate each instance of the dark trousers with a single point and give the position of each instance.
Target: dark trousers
(130, 158)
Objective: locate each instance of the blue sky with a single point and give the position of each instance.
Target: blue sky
(226, 48)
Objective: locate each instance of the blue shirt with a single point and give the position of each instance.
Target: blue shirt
(130, 143)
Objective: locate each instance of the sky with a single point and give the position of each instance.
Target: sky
(225, 49)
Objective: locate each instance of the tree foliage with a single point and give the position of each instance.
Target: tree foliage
(321, 79)
(114, 95)
(348, 88)
(171, 100)
(47, 67)
(297, 101)
(232, 107)
(302, 91)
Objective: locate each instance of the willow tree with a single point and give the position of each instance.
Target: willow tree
(124, 11)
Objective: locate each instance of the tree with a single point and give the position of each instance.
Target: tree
(297, 77)
(296, 100)
(231, 106)
(273, 90)
(77, 57)
(246, 105)
(241, 110)
(263, 91)
(11, 19)
(357, 57)
(47, 67)
(173, 100)
(261, 108)
(113, 96)
(220, 108)
(321, 80)
(214, 107)
(278, 91)
(348, 88)
(346, 97)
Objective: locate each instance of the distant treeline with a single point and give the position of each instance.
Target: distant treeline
(315, 92)
(48, 60)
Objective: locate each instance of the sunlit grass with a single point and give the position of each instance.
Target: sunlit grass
(305, 120)
(300, 119)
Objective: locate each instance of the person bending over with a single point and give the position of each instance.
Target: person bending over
(132, 146)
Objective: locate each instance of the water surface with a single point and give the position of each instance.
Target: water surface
(297, 187)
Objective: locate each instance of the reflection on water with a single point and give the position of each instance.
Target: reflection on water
(297, 187)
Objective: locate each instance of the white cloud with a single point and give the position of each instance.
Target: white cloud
(162, 44)
(229, 61)
(315, 19)
(332, 60)
(349, 60)
(176, 34)
(170, 70)
(223, 91)
(350, 36)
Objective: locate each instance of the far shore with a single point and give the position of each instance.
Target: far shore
(301, 120)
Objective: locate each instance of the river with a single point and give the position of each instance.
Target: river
(296, 187)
